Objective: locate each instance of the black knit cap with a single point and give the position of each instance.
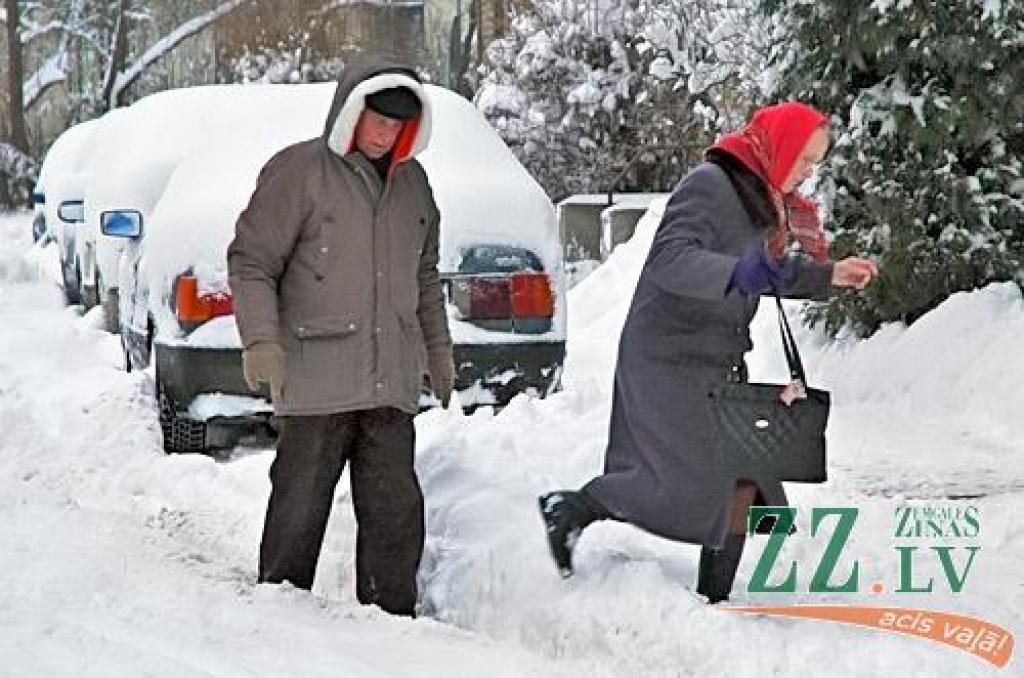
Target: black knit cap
(399, 103)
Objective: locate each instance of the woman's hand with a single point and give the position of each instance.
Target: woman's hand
(756, 273)
(854, 272)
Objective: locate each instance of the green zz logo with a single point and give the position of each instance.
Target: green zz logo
(784, 519)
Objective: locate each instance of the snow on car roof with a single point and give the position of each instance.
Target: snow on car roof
(484, 195)
(482, 191)
(160, 131)
(63, 151)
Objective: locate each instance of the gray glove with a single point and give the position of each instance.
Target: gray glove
(441, 367)
(264, 362)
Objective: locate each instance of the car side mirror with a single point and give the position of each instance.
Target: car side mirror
(71, 211)
(121, 223)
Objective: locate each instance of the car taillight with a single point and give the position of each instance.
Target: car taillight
(489, 298)
(193, 308)
(532, 296)
(519, 299)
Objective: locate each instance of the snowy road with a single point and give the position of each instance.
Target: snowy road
(119, 560)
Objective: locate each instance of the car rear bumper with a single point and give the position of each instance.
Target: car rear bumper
(501, 371)
(187, 371)
(498, 371)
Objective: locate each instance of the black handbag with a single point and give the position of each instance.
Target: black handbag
(759, 436)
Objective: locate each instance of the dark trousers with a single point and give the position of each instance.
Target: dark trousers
(311, 454)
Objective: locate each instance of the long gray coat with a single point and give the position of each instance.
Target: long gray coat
(682, 338)
(339, 267)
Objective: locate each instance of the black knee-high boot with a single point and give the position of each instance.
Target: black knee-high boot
(565, 514)
(718, 568)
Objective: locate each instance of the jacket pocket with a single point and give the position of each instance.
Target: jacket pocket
(326, 327)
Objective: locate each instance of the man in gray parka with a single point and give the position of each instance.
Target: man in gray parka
(339, 306)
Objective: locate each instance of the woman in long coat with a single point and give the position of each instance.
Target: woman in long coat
(723, 241)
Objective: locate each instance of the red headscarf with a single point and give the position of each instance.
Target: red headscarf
(769, 147)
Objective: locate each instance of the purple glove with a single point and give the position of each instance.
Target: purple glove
(756, 274)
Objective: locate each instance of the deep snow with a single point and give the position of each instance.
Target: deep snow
(119, 560)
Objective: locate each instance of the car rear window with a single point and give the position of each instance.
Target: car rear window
(498, 259)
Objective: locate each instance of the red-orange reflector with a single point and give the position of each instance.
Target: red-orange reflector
(532, 296)
(193, 309)
(190, 308)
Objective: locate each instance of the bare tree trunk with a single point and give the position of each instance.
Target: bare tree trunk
(118, 57)
(16, 132)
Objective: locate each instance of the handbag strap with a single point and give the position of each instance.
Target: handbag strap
(796, 366)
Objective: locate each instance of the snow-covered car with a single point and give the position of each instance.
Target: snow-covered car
(58, 196)
(151, 138)
(500, 259)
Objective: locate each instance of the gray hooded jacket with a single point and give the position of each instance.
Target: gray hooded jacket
(340, 267)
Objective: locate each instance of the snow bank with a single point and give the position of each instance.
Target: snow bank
(21, 260)
(600, 303)
(14, 267)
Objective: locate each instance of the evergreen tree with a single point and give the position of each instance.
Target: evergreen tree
(582, 90)
(926, 172)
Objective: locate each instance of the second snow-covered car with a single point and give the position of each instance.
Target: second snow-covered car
(59, 194)
(500, 260)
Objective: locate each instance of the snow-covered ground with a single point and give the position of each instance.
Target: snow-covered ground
(119, 560)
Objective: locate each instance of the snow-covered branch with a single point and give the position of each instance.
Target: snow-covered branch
(169, 42)
(16, 164)
(34, 31)
(53, 71)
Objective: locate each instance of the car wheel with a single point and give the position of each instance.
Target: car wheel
(181, 434)
(72, 293)
(39, 229)
(111, 311)
(137, 357)
(126, 352)
(90, 295)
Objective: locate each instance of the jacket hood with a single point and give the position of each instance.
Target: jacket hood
(363, 77)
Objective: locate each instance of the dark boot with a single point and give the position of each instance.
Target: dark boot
(565, 514)
(718, 568)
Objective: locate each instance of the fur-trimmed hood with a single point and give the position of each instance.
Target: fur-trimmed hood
(360, 79)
